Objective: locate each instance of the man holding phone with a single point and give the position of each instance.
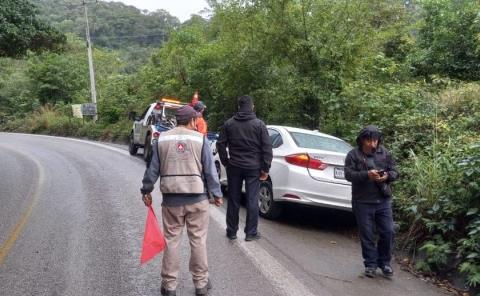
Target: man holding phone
(371, 169)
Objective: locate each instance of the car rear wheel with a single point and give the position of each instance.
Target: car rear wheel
(268, 208)
(132, 148)
(147, 150)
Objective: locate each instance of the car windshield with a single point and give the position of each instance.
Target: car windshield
(319, 142)
(170, 112)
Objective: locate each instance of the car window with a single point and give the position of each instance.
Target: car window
(275, 138)
(319, 142)
(150, 119)
(170, 112)
(156, 118)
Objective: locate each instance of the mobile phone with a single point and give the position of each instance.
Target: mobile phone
(382, 172)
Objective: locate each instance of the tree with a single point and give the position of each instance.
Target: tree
(63, 77)
(20, 30)
(57, 77)
(15, 95)
(112, 24)
(290, 55)
(448, 40)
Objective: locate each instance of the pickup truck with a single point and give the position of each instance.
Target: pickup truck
(146, 129)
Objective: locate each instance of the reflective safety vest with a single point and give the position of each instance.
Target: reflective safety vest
(180, 154)
(202, 126)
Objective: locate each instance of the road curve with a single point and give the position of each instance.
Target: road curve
(71, 223)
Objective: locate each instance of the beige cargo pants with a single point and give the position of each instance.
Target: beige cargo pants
(196, 217)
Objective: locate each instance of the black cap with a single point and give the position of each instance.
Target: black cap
(199, 106)
(185, 113)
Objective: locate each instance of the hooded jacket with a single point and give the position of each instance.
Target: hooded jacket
(247, 140)
(357, 165)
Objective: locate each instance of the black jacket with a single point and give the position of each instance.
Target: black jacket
(248, 143)
(357, 165)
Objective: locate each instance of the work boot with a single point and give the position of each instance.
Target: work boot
(387, 271)
(370, 272)
(203, 291)
(253, 237)
(166, 292)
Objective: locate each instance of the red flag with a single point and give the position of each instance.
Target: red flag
(153, 240)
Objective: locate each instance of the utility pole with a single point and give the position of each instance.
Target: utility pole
(93, 91)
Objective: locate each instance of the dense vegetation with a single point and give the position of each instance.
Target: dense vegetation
(113, 24)
(132, 32)
(412, 69)
(20, 30)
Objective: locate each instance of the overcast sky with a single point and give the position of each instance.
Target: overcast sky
(179, 8)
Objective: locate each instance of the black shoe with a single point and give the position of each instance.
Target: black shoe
(387, 271)
(370, 272)
(204, 290)
(232, 236)
(166, 292)
(253, 237)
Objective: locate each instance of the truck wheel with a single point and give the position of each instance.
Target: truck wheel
(268, 208)
(132, 148)
(147, 150)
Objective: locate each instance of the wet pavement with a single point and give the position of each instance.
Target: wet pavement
(71, 223)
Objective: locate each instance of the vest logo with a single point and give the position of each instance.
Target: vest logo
(181, 147)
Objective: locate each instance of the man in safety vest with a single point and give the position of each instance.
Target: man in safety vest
(183, 160)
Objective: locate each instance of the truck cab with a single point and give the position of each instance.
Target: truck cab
(157, 118)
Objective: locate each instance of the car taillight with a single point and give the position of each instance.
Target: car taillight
(304, 160)
(158, 106)
(156, 134)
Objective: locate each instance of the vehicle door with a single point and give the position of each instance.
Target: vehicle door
(138, 132)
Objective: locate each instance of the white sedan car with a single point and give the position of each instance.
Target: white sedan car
(307, 168)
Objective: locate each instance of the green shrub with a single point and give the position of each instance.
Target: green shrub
(439, 207)
(57, 121)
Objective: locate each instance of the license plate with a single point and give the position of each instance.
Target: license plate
(339, 173)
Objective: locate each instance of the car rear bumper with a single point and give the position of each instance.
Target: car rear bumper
(302, 189)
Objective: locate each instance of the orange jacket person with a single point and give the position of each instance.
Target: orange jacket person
(201, 123)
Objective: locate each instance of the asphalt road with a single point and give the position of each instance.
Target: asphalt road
(71, 223)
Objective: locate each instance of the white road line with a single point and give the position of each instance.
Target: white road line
(284, 282)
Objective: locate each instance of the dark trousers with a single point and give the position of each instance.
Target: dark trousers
(236, 176)
(371, 216)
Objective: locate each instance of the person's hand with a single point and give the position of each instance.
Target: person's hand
(373, 175)
(147, 199)
(218, 201)
(263, 176)
(382, 178)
